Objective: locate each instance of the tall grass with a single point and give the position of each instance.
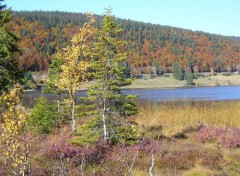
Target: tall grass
(171, 117)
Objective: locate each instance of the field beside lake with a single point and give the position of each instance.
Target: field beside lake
(168, 81)
(174, 138)
(200, 138)
(173, 118)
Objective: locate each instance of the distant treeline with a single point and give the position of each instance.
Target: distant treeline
(43, 33)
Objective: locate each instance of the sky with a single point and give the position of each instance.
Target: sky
(213, 16)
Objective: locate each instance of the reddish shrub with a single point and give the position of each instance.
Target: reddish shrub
(3, 169)
(186, 156)
(230, 139)
(226, 137)
(151, 146)
(91, 154)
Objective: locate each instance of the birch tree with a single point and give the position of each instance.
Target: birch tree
(14, 147)
(75, 63)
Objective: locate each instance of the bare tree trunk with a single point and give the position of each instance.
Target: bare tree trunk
(62, 167)
(81, 166)
(26, 160)
(130, 166)
(73, 117)
(104, 118)
(152, 165)
(104, 126)
(58, 102)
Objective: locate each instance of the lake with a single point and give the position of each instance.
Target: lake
(189, 94)
(219, 93)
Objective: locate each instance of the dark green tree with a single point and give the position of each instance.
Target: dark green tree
(177, 71)
(28, 81)
(109, 74)
(42, 117)
(189, 77)
(9, 71)
(127, 69)
(50, 86)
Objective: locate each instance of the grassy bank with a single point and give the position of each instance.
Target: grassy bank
(176, 139)
(189, 132)
(167, 81)
(173, 118)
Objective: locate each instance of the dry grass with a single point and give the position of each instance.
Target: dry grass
(168, 81)
(219, 79)
(158, 82)
(172, 119)
(199, 171)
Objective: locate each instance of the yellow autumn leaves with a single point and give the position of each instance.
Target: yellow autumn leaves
(14, 147)
(75, 65)
(76, 58)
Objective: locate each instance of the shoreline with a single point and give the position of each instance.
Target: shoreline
(163, 82)
(176, 87)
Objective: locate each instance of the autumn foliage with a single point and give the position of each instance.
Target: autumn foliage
(14, 146)
(43, 33)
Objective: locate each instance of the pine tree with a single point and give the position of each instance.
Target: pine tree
(50, 86)
(189, 77)
(177, 71)
(108, 73)
(9, 71)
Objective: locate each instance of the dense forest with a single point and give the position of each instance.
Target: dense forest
(43, 33)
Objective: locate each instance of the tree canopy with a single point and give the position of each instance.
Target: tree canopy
(45, 32)
(9, 71)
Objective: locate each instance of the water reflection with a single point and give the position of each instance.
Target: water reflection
(159, 96)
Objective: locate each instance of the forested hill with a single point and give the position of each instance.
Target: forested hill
(43, 33)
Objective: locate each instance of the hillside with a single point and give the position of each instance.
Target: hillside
(43, 33)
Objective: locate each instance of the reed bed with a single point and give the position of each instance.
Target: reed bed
(173, 117)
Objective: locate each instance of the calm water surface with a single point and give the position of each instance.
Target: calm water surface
(192, 94)
(222, 93)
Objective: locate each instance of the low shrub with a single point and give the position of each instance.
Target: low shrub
(186, 157)
(30, 85)
(226, 74)
(226, 137)
(43, 117)
(94, 154)
(91, 131)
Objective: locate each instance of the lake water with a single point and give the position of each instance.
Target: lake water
(189, 94)
(219, 93)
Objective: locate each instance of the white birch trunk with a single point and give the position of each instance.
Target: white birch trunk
(73, 117)
(152, 165)
(104, 126)
(58, 102)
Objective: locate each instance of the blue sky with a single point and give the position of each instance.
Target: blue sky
(213, 16)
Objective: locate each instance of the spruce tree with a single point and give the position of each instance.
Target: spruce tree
(9, 71)
(108, 72)
(50, 86)
(189, 77)
(177, 71)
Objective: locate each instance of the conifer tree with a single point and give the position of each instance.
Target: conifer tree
(177, 71)
(189, 76)
(108, 73)
(50, 86)
(9, 71)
